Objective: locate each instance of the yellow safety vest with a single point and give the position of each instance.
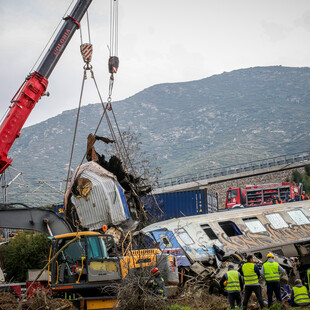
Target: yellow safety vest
(308, 277)
(250, 276)
(271, 271)
(233, 284)
(301, 295)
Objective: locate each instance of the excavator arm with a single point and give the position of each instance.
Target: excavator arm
(35, 85)
(38, 219)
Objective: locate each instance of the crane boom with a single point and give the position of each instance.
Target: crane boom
(38, 219)
(35, 86)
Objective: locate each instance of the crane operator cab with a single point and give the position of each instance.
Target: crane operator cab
(90, 259)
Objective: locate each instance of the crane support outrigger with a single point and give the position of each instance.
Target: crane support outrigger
(35, 85)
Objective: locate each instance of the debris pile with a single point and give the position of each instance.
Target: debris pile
(134, 190)
(8, 301)
(102, 192)
(41, 299)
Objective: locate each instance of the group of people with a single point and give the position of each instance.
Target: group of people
(276, 200)
(247, 279)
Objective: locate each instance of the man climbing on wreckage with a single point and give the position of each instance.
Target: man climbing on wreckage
(251, 274)
(232, 282)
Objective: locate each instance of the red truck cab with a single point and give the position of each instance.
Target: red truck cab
(235, 197)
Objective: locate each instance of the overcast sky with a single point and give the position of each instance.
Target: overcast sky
(160, 41)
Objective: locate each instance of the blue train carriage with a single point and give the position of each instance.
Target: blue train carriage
(282, 229)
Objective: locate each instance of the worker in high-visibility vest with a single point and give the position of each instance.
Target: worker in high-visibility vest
(272, 272)
(251, 275)
(307, 279)
(300, 295)
(233, 287)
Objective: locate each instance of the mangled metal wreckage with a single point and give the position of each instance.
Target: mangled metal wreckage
(102, 193)
(204, 245)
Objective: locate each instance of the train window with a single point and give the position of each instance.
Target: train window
(298, 217)
(184, 236)
(209, 232)
(230, 228)
(254, 225)
(258, 255)
(165, 240)
(276, 220)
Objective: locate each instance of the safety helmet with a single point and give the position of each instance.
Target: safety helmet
(155, 270)
(270, 255)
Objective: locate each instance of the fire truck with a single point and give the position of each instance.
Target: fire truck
(260, 195)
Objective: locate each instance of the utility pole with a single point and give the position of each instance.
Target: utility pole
(4, 191)
(4, 186)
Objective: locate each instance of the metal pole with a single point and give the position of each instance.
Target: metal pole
(4, 192)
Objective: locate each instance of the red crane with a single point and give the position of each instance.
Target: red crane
(35, 85)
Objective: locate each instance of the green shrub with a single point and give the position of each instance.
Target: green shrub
(297, 177)
(28, 250)
(303, 178)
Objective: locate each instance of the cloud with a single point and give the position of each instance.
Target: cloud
(275, 32)
(304, 21)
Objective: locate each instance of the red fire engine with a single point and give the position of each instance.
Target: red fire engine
(259, 195)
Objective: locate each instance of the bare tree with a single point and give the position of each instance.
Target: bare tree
(138, 162)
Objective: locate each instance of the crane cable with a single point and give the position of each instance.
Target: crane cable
(86, 50)
(113, 67)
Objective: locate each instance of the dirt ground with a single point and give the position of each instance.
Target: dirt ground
(191, 300)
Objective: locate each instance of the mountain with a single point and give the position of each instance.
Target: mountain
(225, 119)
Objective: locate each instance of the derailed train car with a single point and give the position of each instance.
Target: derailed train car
(209, 239)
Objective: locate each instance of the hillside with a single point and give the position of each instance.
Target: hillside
(225, 119)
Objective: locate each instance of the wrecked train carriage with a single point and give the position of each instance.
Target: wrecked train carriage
(95, 198)
(283, 229)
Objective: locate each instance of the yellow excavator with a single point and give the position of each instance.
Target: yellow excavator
(86, 267)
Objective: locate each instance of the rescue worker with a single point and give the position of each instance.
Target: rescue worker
(299, 295)
(233, 287)
(251, 275)
(158, 284)
(307, 279)
(275, 200)
(304, 196)
(289, 199)
(272, 272)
